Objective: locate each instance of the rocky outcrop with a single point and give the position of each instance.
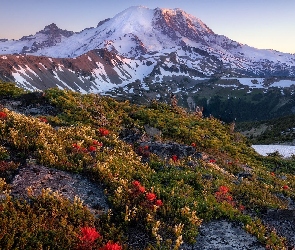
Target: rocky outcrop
(34, 178)
(51, 35)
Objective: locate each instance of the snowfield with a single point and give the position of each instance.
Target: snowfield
(284, 150)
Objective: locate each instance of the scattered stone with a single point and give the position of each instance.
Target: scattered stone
(152, 132)
(244, 175)
(166, 150)
(207, 176)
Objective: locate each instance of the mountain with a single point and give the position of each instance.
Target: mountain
(48, 37)
(142, 49)
(139, 31)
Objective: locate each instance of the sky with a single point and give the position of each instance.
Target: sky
(263, 24)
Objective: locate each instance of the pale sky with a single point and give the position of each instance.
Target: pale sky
(264, 24)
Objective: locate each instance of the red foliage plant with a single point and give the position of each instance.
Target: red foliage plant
(103, 132)
(143, 151)
(3, 115)
(138, 186)
(150, 196)
(43, 119)
(96, 143)
(89, 234)
(76, 146)
(92, 148)
(174, 158)
(241, 208)
(159, 203)
(223, 195)
(111, 246)
(223, 189)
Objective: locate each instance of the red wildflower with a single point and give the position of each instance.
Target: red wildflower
(212, 161)
(158, 203)
(97, 143)
(285, 187)
(241, 208)
(84, 150)
(92, 148)
(223, 189)
(43, 119)
(141, 189)
(136, 183)
(150, 196)
(3, 115)
(138, 186)
(89, 234)
(229, 198)
(272, 174)
(174, 158)
(76, 146)
(111, 246)
(103, 132)
(193, 144)
(146, 147)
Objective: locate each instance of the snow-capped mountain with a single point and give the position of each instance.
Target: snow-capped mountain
(136, 44)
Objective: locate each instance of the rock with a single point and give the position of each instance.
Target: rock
(286, 214)
(152, 132)
(283, 220)
(224, 235)
(67, 184)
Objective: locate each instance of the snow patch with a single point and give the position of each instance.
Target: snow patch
(284, 150)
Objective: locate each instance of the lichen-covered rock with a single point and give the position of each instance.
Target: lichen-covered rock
(67, 184)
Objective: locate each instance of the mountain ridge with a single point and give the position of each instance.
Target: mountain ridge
(141, 44)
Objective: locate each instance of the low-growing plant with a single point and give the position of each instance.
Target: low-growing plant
(167, 196)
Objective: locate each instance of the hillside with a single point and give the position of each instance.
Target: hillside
(144, 54)
(164, 172)
(275, 131)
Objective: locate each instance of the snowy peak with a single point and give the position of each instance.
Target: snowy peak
(155, 42)
(134, 20)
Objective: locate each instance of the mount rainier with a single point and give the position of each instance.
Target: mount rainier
(138, 45)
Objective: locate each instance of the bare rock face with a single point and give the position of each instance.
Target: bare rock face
(217, 235)
(176, 23)
(40, 72)
(52, 36)
(67, 184)
(283, 220)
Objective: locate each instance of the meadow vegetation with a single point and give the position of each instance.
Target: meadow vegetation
(165, 198)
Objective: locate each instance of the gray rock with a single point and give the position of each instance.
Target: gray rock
(224, 235)
(67, 184)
